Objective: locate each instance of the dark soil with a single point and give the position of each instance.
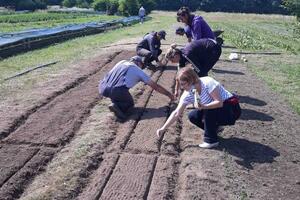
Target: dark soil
(258, 157)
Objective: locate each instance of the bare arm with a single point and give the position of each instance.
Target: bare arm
(217, 103)
(161, 90)
(172, 118)
(177, 86)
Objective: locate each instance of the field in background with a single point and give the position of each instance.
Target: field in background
(259, 36)
(23, 21)
(58, 139)
(247, 32)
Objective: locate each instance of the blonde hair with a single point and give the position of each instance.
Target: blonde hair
(172, 52)
(187, 74)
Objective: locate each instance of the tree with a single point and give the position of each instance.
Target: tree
(69, 3)
(149, 5)
(100, 5)
(293, 6)
(128, 7)
(53, 2)
(82, 4)
(112, 7)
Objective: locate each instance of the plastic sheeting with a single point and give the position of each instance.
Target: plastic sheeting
(9, 39)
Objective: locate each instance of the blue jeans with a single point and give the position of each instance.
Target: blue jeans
(209, 120)
(122, 98)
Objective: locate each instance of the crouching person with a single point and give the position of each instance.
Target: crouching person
(123, 76)
(149, 48)
(215, 106)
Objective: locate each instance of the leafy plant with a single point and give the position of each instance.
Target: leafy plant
(100, 5)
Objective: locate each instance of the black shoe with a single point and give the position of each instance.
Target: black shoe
(118, 112)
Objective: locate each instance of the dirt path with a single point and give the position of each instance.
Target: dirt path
(258, 157)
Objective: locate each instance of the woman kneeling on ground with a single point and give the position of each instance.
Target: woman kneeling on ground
(214, 105)
(202, 54)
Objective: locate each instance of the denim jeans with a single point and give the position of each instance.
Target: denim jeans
(209, 120)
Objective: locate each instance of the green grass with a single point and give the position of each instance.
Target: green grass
(248, 32)
(266, 33)
(68, 51)
(282, 74)
(273, 33)
(19, 22)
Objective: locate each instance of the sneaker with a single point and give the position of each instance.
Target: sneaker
(118, 112)
(220, 129)
(206, 145)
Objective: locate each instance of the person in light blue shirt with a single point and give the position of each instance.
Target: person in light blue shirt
(123, 76)
(142, 14)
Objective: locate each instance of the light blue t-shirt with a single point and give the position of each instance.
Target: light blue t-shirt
(135, 75)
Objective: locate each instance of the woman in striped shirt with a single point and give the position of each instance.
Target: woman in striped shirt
(211, 102)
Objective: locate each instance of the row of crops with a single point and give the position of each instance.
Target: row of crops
(13, 43)
(45, 16)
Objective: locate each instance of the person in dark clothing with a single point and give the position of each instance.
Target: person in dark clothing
(123, 76)
(149, 47)
(201, 54)
(195, 26)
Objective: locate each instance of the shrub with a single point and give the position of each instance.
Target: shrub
(82, 4)
(128, 7)
(149, 5)
(53, 2)
(30, 5)
(293, 6)
(100, 5)
(69, 3)
(112, 7)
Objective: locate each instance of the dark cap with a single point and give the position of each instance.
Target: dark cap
(137, 59)
(162, 34)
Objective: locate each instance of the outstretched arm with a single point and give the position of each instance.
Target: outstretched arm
(177, 86)
(161, 90)
(172, 118)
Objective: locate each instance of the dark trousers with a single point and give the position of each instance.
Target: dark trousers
(122, 98)
(147, 55)
(208, 63)
(209, 120)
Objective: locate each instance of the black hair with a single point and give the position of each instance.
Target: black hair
(183, 11)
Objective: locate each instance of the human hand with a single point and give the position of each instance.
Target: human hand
(173, 97)
(160, 64)
(176, 93)
(159, 132)
(199, 106)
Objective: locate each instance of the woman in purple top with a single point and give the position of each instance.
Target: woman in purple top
(196, 27)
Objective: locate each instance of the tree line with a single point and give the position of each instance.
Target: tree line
(130, 7)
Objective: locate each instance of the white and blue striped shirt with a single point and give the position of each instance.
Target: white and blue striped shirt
(208, 85)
